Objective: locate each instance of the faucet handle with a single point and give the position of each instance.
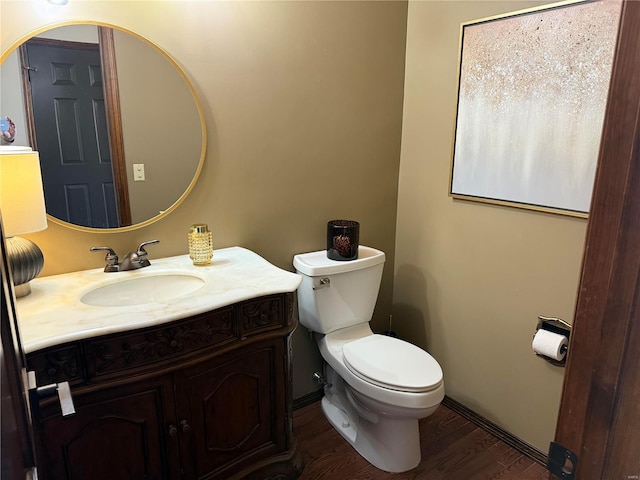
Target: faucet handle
(141, 249)
(111, 258)
(142, 253)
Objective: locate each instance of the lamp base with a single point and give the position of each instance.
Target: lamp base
(22, 290)
(25, 261)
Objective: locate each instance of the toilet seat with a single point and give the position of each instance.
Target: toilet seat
(392, 363)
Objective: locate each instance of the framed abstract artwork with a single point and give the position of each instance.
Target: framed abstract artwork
(532, 92)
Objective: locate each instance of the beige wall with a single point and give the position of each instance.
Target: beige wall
(303, 104)
(470, 278)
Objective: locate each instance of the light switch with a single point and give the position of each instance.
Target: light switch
(138, 172)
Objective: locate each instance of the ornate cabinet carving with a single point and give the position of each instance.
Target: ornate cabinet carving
(208, 397)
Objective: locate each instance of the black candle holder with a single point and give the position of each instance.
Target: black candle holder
(343, 238)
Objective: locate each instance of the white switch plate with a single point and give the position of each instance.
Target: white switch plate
(138, 172)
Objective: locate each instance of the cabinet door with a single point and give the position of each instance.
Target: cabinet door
(121, 433)
(232, 408)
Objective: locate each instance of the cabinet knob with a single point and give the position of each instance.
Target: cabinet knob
(172, 430)
(185, 426)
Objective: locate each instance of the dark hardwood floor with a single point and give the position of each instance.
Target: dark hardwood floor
(453, 448)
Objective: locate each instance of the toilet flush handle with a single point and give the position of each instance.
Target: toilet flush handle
(324, 283)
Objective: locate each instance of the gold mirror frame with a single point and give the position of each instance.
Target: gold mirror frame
(171, 208)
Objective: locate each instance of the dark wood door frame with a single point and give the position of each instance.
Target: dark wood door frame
(114, 123)
(112, 108)
(17, 456)
(599, 416)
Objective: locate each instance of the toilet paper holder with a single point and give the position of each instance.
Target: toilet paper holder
(555, 325)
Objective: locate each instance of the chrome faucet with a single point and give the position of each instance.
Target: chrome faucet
(137, 259)
(132, 261)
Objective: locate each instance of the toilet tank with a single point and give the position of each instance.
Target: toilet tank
(338, 294)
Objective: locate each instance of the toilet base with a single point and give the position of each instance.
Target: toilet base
(389, 443)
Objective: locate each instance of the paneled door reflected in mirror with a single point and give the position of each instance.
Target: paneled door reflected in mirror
(65, 95)
(117, 123)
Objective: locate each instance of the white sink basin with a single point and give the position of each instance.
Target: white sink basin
(141, 290)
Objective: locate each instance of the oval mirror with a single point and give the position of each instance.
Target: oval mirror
(116, 122)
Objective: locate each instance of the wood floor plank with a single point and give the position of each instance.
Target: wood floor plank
(534, 473)
(452, 447)
(504, 454)
(441, 423)
(464, 458)
(512, 471)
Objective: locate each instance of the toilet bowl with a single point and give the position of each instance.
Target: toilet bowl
(377, 387)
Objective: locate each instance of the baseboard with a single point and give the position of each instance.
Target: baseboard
(307, 399)
(511, 440)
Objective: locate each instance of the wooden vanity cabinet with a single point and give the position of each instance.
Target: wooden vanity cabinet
(208, 397)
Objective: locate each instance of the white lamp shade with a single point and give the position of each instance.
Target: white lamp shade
(21, 192)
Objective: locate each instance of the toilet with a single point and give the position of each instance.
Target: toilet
(377, 387)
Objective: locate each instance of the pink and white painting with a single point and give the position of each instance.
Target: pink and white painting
(532, 95)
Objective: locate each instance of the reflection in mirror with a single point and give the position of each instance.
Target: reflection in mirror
(119, 131)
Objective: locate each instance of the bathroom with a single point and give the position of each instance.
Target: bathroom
(317, 110)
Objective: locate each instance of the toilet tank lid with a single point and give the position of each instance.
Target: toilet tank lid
(315, 264)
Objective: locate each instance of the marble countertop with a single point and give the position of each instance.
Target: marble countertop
(53, 313)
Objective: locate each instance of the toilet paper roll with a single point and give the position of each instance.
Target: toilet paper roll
(550, 344)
